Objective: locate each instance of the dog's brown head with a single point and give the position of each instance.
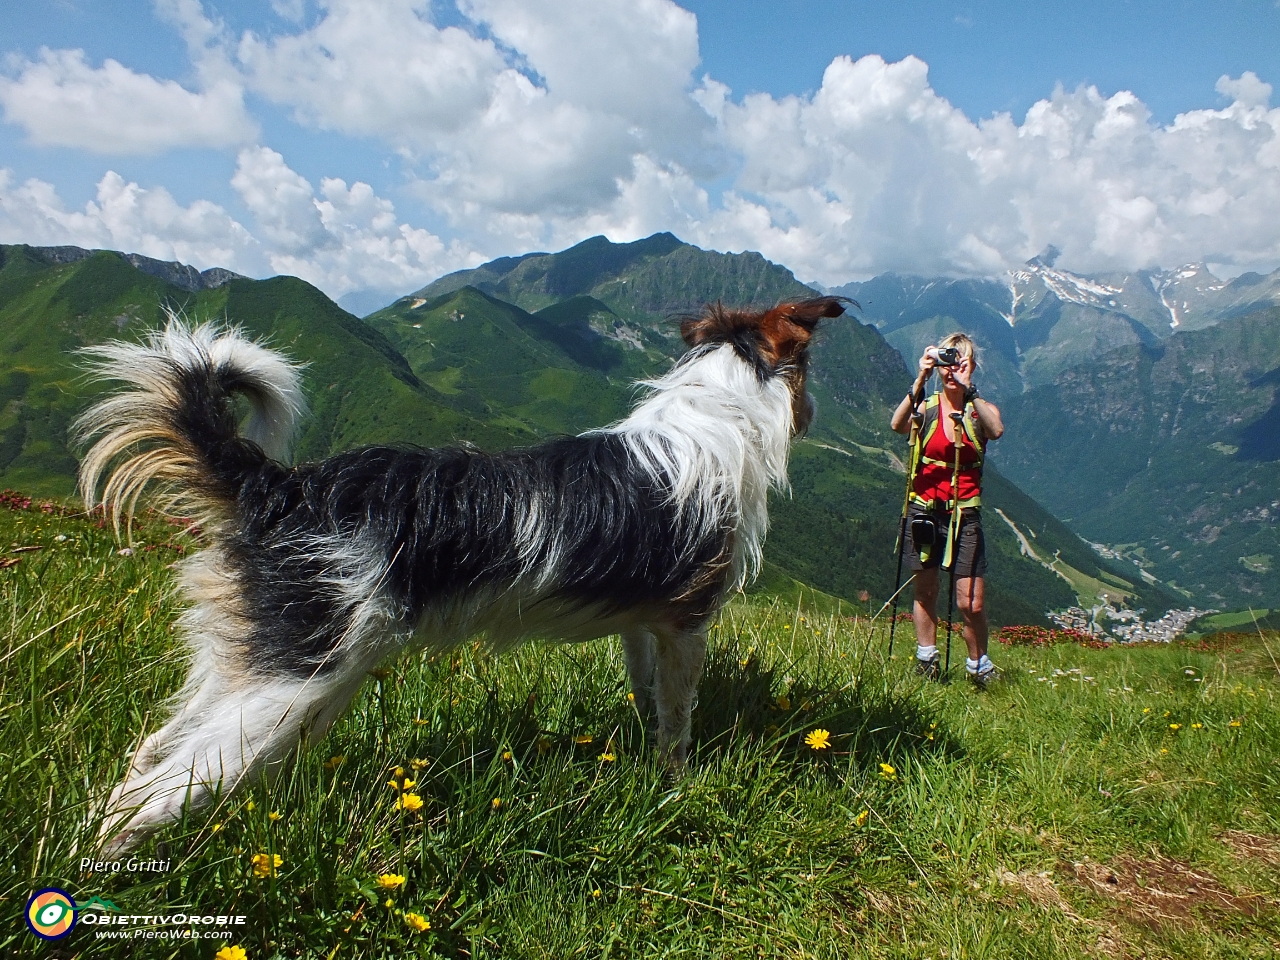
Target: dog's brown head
(775, 342)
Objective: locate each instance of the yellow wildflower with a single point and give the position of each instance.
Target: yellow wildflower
(334, 762)
(231, 953)
(421, 721)
(596, 893)
(506, 754)
(388, 903)
(1146, 709)
(1197, 726)
(215, 828)
(818, 739)
(398, 772)
(1163, 750)
(631, 697)
(275, 815)
(1234, 723)
(496, 802)
(784, 702)
(583, 739)
(419, 764)
(390, 881)
(266, 864)
(861, 819)
(887, 772)
(1175, 726)
(608, 757)
(417, 922)
(786, 626)
(409, 802)
(249, 806)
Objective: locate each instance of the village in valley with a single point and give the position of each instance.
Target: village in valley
(1122, 625)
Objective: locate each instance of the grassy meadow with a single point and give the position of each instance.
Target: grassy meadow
(1096, 803)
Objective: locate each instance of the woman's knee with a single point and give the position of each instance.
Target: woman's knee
(970, 598)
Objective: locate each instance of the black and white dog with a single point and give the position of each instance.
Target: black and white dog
(316, 573)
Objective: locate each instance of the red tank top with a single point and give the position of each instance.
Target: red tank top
(933, 480)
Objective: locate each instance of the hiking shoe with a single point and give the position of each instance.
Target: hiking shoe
(984, 678)
(929, 669)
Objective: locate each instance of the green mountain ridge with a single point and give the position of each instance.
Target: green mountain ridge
(468, 364)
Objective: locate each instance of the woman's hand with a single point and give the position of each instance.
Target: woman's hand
(962, 372)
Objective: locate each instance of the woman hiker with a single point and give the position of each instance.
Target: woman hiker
(952, 430)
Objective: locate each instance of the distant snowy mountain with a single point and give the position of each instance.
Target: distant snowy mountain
(1040, 319)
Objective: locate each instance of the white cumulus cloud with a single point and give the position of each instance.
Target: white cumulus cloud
(875, 171)
(346, 238)
(60, 100)
(536, 123)
(343, 239)
(543, 117)
(126, 217)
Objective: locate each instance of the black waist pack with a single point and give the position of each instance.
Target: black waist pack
(924, 532)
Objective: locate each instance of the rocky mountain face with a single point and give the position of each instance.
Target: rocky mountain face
(171, 271)
(1040, 320)
(1166, 454)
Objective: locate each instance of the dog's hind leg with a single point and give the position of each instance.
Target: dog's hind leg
(638, 649)
(226, 733)
(680, 658)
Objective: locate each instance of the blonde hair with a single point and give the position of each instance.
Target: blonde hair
(963, 344)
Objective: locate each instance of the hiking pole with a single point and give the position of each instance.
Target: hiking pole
(914, 461)
(951, 554)
(897, 580)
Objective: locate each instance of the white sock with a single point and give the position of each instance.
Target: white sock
(972, 665)
(927, 653)
(985, 664)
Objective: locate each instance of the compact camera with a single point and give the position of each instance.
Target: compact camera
(943, 356)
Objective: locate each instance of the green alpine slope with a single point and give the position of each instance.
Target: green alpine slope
(360, 389)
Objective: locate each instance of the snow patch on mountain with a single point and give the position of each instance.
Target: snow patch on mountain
(1035, 279)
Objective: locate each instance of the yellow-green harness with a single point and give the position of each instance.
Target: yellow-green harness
(923, 427)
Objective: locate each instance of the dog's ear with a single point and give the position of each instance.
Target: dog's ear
(788, 327)
(807, 313)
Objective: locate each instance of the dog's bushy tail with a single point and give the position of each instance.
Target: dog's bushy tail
(175, 423)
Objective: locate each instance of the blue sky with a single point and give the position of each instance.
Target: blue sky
(1001, 55)
(371, 146)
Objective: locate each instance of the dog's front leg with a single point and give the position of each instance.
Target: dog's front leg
(680, 658)
(638, 649)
